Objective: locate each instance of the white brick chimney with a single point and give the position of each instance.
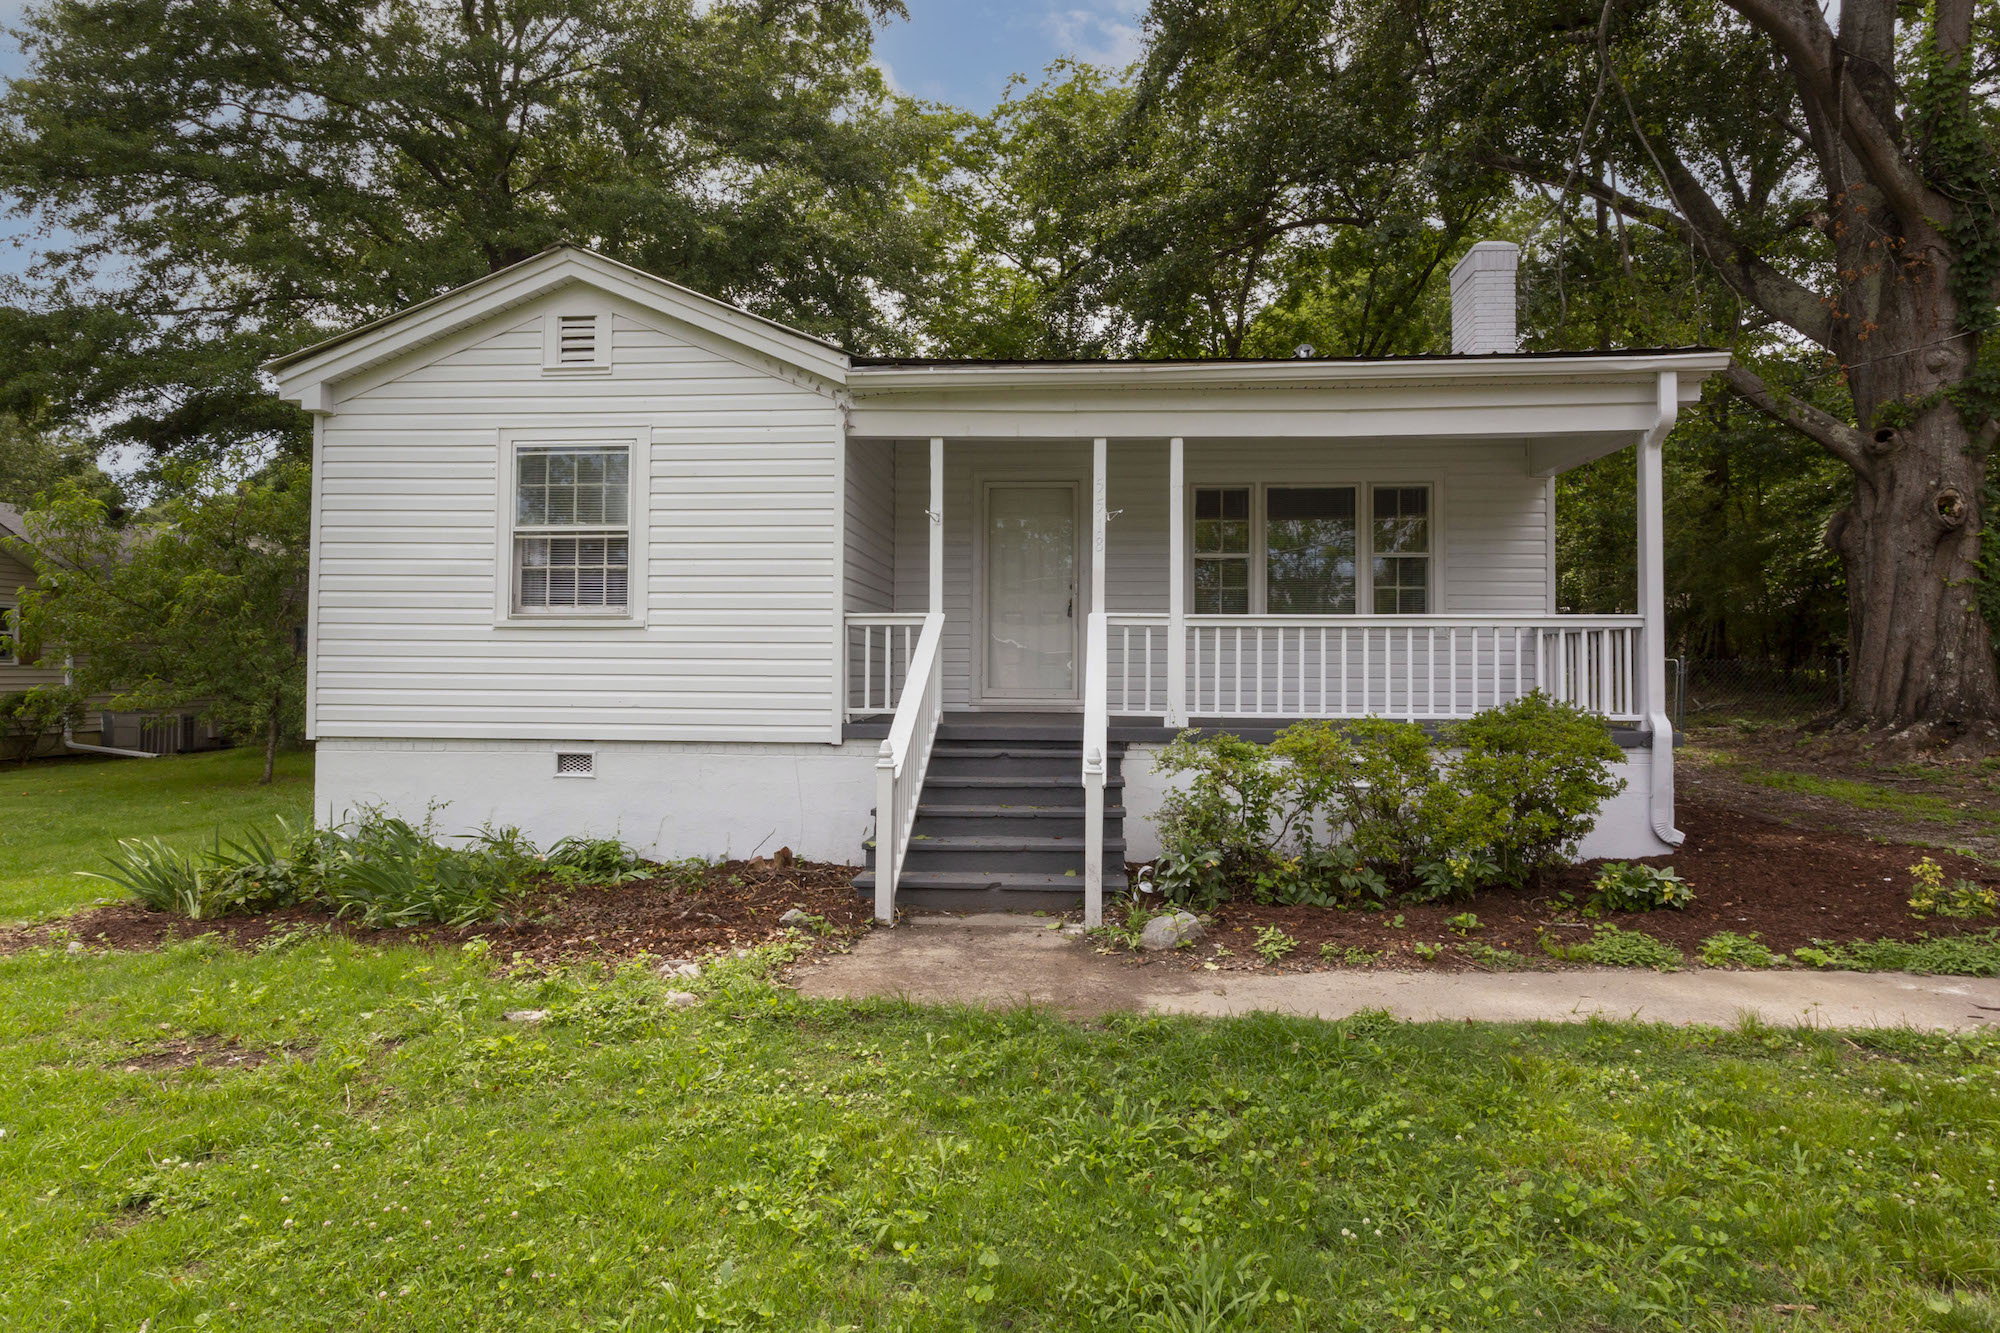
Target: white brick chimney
(1482, 299)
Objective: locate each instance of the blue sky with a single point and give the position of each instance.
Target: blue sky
(957, 51)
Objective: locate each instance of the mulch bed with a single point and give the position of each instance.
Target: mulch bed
(734, 905)
(1752, 875)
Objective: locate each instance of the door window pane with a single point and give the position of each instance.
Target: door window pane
(1401, 529)
(1309, 550)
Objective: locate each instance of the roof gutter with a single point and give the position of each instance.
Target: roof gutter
(865, 380)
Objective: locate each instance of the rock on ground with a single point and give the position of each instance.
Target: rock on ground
(1170, 931)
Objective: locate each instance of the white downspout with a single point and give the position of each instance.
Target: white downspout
(69, 736)
(1653, 604)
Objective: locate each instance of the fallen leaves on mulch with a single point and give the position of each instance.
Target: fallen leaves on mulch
(730, 906)
(1752, 875)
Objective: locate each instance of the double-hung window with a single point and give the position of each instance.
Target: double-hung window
(8, 630)
(572, 529)
(1311, 550)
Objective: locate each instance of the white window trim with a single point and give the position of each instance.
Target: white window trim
(552, 362)
(1364, 555)
(638, 437)
(10, 634)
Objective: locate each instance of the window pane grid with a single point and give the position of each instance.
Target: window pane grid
(571, 548)
(1221, 550)
(1401, 538)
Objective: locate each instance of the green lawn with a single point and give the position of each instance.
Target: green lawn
(405, 1159)
(59, 817)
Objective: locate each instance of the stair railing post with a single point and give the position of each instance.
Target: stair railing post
(888, 838)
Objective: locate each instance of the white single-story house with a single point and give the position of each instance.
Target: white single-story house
(593, 552)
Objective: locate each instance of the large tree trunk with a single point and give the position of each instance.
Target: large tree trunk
(1922, 653)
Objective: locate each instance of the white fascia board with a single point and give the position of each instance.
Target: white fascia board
(868, 381)
(302, 376)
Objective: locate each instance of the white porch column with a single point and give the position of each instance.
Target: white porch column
(936, 515)
(1653, 605)
(1176, 584)
(1098, 495)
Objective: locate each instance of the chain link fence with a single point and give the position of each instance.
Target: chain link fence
(1711, 691)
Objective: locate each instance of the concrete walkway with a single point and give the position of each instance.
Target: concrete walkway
(999, 960)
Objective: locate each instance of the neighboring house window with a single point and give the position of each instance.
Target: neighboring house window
(1299, 550)
(1221, 550)
(8, 650)
(572, 528)
(1401, 544)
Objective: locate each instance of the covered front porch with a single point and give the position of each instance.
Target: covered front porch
(1346, 547)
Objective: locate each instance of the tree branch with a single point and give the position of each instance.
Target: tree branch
(1838, 438)
(1799, 30)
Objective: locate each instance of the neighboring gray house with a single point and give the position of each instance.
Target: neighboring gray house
(594, 552)
(20, 671)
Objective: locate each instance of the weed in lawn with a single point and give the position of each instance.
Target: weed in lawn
(1608, 946)
(1729, 949)
(1274, 944)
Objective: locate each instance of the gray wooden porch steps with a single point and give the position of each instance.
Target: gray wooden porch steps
(999, 823)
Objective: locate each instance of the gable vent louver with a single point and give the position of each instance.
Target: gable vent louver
(576, 340)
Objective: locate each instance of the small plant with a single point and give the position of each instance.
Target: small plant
(1973, 955)
(1465, 923)
(1430, 953)
(595, 861)
(1274, 944)
(1729, 949)
(1192, 877)
(1931, 896)
(1350, 956)
(1126, 932)
(1493, 959)
(1608, 946)
(1627, 886)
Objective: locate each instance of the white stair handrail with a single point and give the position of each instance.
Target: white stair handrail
(904, 758)
(1096, 744)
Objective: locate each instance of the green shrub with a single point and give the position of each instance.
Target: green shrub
(1374, 779)
(595, 861)
(385, 871)
(1530, 777)
(29, 715)
(1931, 896)
(1608, 946)
(1729, 949)
(1523, 787)
(1625, 886)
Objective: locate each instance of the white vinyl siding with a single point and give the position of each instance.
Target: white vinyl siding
(1488, 521)
(740, 509)
(871, 526)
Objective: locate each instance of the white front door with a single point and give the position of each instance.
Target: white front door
(1029, 548)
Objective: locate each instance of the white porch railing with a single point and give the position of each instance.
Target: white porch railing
(880, 645)
(1385, 666)
(904, 758)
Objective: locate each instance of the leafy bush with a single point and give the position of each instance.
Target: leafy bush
(596, 861)
(1608, 946)
(247, 876)
(1531, 776)
(1729, 949)
(28, 715)
(1931, 896)
(385, 871)
(1397, 814)
(1624, 886)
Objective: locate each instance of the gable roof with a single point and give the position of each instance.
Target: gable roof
(300, 373)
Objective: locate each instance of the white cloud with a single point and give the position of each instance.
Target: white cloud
(1105, 32)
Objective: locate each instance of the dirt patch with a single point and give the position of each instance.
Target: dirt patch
(1751, 874)
(677, 915)
(204, 1053)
